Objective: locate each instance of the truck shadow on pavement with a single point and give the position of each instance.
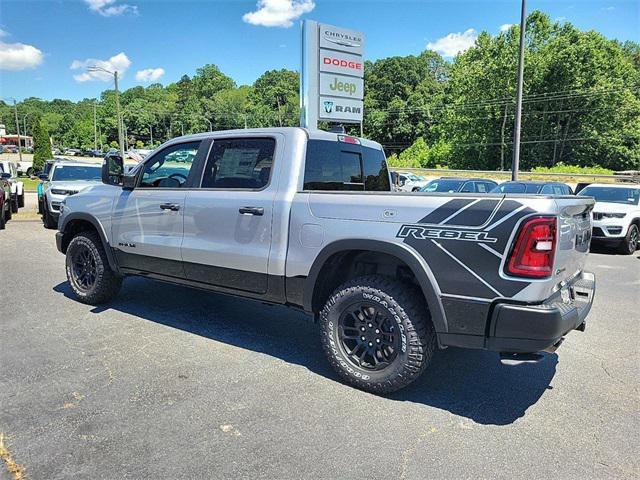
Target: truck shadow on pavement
(468, 383)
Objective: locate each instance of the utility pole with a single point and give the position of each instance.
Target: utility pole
(15, 109)
(120, 123)
(95, 128)
(518, 120)
(151, 134)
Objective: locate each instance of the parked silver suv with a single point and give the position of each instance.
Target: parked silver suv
(64, 179)
(307, 218)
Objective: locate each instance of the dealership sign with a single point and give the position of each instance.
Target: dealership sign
(332, 83)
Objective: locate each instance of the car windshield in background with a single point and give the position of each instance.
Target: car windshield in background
(517, 188)
(626, 196)
(70, 173)
(443, 186)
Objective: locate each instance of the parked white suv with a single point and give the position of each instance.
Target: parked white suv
(17, 187)
(616, 215)
(410, 182)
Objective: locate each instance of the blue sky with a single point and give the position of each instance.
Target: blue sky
(41, 40)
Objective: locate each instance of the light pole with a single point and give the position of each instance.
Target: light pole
(518, 120)
(95, 128)
(97, 68)
(151, 135)
(15, 110)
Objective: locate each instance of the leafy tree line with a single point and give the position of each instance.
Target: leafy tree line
(581, 104)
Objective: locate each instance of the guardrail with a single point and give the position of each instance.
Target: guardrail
(576, 177)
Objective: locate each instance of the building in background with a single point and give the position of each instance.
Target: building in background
(24, 141)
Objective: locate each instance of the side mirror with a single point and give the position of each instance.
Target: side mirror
(5, 176)
(43, 177)
(112, 170)
(129, 182)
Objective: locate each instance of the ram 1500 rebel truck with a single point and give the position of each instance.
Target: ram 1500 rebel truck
(308, 219)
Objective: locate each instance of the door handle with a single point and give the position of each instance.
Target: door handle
(251, 211)
(170, 206)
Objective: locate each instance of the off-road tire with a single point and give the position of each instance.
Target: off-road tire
(21, 201)
(629, 245)
(107, 283)
(3, 221)
(29, 172)
(14, 205)
(9, 211)
(406, 307)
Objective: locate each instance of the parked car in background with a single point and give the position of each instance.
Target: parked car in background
(410, 182)
(616, 215)
(539, 188)
(92, 153)
(72, 152)
(5, 200)
(461, 185)
(11, 149)
(44, 176)
(25, 167)
(66, 178)
(17, 187)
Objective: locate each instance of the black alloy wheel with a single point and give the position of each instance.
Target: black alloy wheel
(84, 268)
(368, 336)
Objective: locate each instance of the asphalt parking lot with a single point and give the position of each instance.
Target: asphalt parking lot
(167, 382)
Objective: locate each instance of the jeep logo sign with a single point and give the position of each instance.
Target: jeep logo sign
(332, 80)
(341, 86)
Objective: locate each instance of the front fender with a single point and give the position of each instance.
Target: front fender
(66, 229)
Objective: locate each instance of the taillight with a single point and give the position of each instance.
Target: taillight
(533, 253)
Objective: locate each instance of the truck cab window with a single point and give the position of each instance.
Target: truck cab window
(170, 168)
(239, 163)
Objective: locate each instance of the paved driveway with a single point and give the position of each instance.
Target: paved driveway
(168, 382)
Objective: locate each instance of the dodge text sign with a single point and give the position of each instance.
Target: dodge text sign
(332, 82)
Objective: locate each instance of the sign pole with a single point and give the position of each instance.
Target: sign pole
(515, 166)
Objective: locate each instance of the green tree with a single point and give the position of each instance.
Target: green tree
(41, 145)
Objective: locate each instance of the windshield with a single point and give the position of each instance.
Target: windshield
(69, 173)
(626, 196)
(443, 185)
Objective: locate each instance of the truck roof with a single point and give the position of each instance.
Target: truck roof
(311, 134)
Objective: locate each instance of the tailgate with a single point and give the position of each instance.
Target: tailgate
(574, 235)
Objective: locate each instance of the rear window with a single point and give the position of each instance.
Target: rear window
(337, 167)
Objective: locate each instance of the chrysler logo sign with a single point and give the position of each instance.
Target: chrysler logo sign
(342, 39)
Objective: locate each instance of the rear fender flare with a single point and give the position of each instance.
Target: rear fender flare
(418, 266)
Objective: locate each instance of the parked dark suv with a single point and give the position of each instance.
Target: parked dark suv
(542, 188)
(462, 185)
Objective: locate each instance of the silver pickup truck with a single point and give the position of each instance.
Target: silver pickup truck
(308, 219)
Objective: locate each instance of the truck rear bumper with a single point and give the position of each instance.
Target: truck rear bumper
(532, 328)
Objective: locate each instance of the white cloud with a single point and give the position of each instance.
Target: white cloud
(278, 13)
(149, 74)
(505, 27)
(454, 43)
(18, 56)
(3, 33)
(119, 63)
(109, 8)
